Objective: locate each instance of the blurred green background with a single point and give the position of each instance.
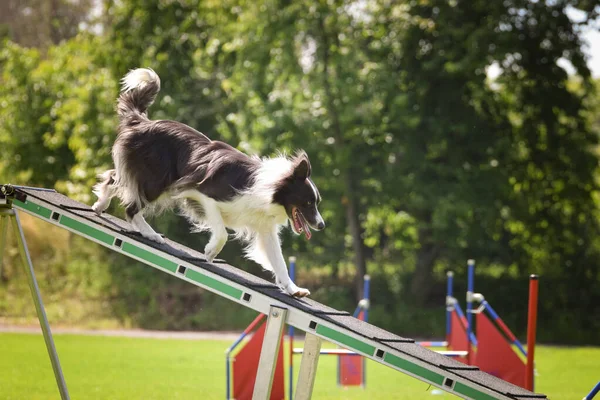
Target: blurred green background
(438, 130)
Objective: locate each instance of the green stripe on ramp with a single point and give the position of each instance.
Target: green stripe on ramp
(34, 208)
(471, 393)
(150, 257)
(87, 230)
(213, 283)
(346, 340)
(413, 368)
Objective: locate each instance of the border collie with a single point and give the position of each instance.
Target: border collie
(159, 163)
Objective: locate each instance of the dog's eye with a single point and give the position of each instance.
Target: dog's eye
(309, 203)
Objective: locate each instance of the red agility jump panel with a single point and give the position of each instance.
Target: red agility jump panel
(458, 339)
(495, 355)
(351, 367)
(245, 365)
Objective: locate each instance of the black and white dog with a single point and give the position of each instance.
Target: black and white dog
(161, 163)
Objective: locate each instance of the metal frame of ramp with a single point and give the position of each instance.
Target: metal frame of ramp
(314, 318)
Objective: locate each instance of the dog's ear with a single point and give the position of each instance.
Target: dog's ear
(301, 166)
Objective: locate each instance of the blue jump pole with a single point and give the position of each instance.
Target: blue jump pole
(449, 284)
(593, 393)
(461, 315)
(470, 291)
(367, 294)
(291, 335)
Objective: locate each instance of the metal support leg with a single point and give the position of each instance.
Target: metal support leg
(3, 235)
(308, 367)
(269, 353)
(39, 305)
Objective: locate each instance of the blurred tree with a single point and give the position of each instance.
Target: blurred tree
(552, 168)
(302, 79)
(180, 40)
(501, 169)
(438, 131)
(56, 115)
(41, 23)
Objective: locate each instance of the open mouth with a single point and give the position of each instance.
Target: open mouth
(299, 223)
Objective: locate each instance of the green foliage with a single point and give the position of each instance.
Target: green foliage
(56, 117)
(422, 158)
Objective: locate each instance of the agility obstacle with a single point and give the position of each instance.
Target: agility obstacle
(492, 348)
(241, 358)
(241, 368)
(318, 321)
(351, 368)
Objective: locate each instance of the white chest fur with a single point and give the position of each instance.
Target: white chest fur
(250, 211)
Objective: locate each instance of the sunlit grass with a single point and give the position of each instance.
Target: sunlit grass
(97, 367)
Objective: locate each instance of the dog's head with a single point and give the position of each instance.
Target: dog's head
(300, 197)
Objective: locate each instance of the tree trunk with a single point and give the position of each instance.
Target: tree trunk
(351, 202)
(355, 229)
(420, 286)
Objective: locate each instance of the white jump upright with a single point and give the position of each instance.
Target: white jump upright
(308, 367)
(269, 353)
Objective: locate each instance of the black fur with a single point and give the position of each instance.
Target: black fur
(178, 157)
(163, 155)
(296, 191)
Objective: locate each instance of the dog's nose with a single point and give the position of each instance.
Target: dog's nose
(320, 225)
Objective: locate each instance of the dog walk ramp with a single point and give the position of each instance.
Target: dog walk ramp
(319, 321)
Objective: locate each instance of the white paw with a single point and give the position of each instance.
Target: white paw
(155, 237)
(294, 290)
(210, 253)
(213, 248)
(98, 207)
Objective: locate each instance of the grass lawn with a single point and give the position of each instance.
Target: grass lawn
(104, 368)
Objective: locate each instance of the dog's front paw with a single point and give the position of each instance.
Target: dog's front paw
(155, 237)
(295, 291)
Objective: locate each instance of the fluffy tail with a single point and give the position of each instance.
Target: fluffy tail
(138, 91)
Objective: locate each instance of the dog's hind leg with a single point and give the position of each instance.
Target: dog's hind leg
(105, 190)
(136, 218)
(214, 220)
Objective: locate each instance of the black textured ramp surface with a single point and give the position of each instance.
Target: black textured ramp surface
(431, 357)
(499, 385)
(305, 304)
(235, 274)
(367, 330)
(106, 220)
(57, 199)
(257, 284)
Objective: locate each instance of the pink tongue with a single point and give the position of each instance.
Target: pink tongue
(305, 229)
(297, 224)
